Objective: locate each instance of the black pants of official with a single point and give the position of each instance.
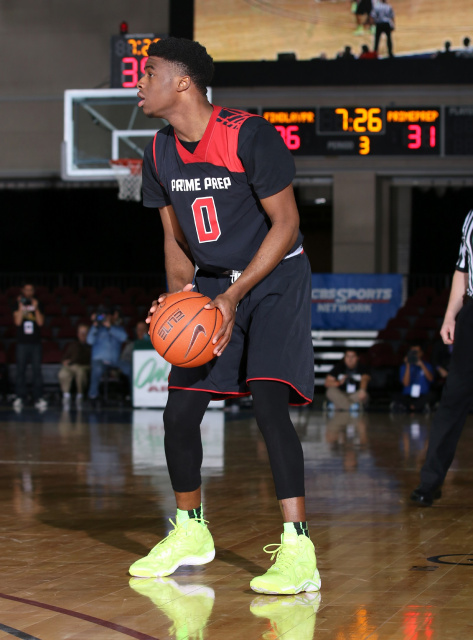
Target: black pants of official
(383, 27)
(455, 403)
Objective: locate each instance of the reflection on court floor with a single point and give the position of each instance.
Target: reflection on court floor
(84, 494)
(148, 440)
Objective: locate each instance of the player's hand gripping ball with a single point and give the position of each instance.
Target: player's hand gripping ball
(181, 330)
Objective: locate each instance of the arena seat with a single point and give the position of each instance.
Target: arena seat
(76, 309)
(436, 310)
(59, 322)
(109, 292)
(417, 335)
(51, 353)
(398, 322)
(381, 354)
(63, 291)
(11, 331)
(13, 292)
(426, 322)
(52, 310)
(6, 319)
(67, 333)
(85, 292)
(41, 291)
(425, 293)
(134, 292)
(390, 334)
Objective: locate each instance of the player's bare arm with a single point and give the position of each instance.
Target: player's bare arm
(282, 211)
(178, 260)
(455, 303)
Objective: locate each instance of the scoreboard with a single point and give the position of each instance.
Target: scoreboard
(128, 55)
(375, 130)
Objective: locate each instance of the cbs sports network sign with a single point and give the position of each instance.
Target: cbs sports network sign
(354, 301)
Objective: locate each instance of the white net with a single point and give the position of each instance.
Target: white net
(128, 174)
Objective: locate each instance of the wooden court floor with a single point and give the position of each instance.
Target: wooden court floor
(82, 495)
(260, 29)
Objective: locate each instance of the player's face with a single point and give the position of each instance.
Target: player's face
(157, 88)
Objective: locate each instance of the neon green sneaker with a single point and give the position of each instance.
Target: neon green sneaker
(295, 569)
(190, 542)
(290, 617)
(187, 607)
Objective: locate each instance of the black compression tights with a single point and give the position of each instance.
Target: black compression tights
(183, 445)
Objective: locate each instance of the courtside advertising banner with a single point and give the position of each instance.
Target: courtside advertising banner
(354, 301)
(150, 379)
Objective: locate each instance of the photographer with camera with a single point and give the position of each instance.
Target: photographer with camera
(28, 319)
(416, 377)
(347, 384)
(106, 337)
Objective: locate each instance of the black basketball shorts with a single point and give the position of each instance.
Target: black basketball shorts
(271, 338)
(364, 7)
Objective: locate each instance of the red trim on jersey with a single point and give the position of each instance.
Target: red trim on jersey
(219, 144)
(290, 385)
(220, 393)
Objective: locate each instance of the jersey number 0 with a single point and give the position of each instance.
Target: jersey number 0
(205, 219)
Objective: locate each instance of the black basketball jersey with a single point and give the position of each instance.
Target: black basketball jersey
(216, 190)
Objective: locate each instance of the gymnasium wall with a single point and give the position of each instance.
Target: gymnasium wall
(47, 47)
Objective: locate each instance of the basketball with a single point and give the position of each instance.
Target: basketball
(181, 330)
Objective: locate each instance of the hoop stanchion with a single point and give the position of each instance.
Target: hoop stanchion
(128, 174)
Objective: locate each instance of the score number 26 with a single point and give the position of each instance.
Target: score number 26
(289, 135)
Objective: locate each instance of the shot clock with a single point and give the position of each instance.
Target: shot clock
(359, 131)
(129, 53)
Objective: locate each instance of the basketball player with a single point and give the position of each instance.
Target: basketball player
(456, 401)
(221, 179)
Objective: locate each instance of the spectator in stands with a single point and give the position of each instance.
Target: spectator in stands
(362, 10)
(366, 54)
(446, 53)
(416, 377)
(28, 318)
(105, 337)
(346, 54)
(383, 18)
(75, 366)
(347, 384)
(467, 51)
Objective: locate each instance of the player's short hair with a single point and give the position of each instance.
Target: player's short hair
(190, 56)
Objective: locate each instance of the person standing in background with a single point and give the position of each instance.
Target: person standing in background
(448, 422)
(383, 16)
(28, 318)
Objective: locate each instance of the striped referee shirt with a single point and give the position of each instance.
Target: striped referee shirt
(383, 12)
(465, 259)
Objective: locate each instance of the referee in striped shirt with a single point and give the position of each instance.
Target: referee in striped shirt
(457, 329)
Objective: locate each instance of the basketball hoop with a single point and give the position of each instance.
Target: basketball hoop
(128, 174)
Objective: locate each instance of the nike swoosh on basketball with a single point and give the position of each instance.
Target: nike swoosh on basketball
(197, 329)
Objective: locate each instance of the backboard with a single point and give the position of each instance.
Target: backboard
(102, 125)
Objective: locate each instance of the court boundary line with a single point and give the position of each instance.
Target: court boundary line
(22, 635)
(82, 616)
